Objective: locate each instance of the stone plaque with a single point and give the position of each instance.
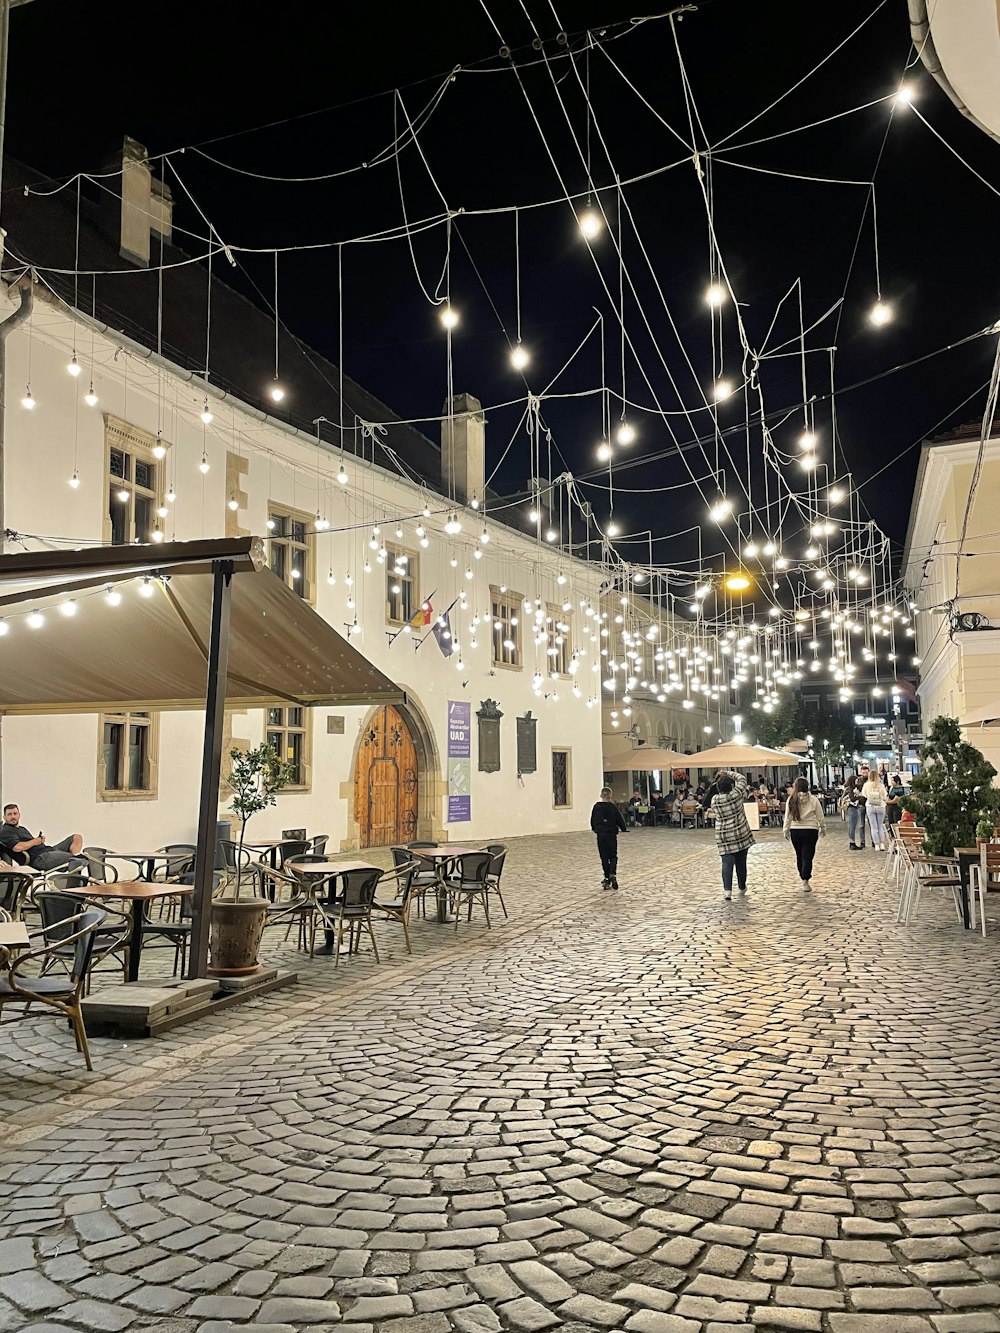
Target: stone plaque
(526, 749)
(335, 726)
(489, 716)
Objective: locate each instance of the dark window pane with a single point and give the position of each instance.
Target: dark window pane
(293, 754)
(278, 559)
(274, 740)
(298, 530)
(112, 755)
(294, 717)
(143, 518)
(138, 774)
(119, 518)
(560, 777)
(298, 570)
(118, 463)
(145, 474)
(274, 717)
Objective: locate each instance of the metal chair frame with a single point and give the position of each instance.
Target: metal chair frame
(404, 877)
(471, 883)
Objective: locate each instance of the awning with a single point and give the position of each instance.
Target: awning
(133, 650)
(742, 756)
(982, 717)
(644, 759)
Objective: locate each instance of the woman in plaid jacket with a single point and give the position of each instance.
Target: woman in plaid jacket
(732, 832)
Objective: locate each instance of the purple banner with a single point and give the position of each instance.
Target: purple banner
(459, 761)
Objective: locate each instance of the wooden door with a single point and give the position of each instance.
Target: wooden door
(385, 784)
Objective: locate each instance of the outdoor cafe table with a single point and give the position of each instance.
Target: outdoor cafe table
(315, 874)
(440, 855)
(13, 935)
(267, 849)
(145, 862)
(140, 894)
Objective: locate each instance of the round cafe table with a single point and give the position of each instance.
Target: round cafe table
(440, 856)
(317, 875)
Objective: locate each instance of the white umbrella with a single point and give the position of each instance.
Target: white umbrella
(644, 759)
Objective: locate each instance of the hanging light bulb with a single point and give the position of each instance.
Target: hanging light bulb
(74, 480)
(519, 357)
(721, 390)
(880, 313)
(612, 529)
(157, 535)
(625, 433)
(835, 494)
(277, 392)
(321, 523)
(484, 537)
(146, 588)
(426, 511)
(171, 495)
(204, 464)
(590, 223)
(904, 96)
(721, 509)
(603, 451)
(533, 514)
(121, 496)
(90, 398)
(74, 366)
(36, 620)
(449, 317)
(715, 294)
(206, 414)
(159, 449)
(234, 504)
(68, 608)
(808, 462)
(807, 440)
(751, 550)
(162, 511)
(551, 535)
(27, 402)
(342, 475)
(452, 526)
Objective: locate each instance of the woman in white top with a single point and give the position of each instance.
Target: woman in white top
(874, 794)
(805, 824)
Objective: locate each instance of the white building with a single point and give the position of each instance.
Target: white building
(107, 440)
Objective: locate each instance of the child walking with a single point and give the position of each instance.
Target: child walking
(805, 824)
(607, 822)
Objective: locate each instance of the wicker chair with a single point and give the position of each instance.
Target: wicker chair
(402, 883)
(58, 906)
(354, 905)
(471, 883)
(499, 854)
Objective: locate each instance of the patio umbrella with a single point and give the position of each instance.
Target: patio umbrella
(982, 717)
(644, 759)
(742, 756)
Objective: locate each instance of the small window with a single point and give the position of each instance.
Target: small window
(136, 510)
(559, 651)
(402, 598)
(292, 553)
(505, 608)
(288, 733)
(127, 765)
(562, 785)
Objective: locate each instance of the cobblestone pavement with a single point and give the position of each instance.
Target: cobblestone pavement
(649, 1110)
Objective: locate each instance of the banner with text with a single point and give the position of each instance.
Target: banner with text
(459, 762)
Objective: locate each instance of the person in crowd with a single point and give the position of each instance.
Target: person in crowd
(893, 809)
(607, 822)
(26, 849)
(804, 826)
(852, 803)
(874, 794)
(733, 836)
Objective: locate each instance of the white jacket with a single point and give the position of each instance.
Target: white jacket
(874, 793)
(810, 814)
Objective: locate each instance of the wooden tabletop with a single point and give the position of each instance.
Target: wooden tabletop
(327, 867)
(271, 842)
(13, 932)
(131, 889)
(443, 851)
(18, 870)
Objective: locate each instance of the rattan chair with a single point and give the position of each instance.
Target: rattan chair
(19, 988)
(401, 884)
(499, 853)
(318, 845)
(98, 866)
(470, 882)
(15, 890)
(353, 905)
(58, 905)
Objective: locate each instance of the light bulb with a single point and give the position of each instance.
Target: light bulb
(426, 510)
(171, 495)
(449, 317)
(74, 481)
(203, 465)
(74, 367)
(206, 415)
(157, 535)
(452, 526)
(807, 440)
(750, 550)
(276, 392)
(808, 461)
(519, 357)
(474, 502)
(36, 620)
(721, 390)
(551, 535)
(162, 511)
(425, 541)
(603, 452)
(121, 496)
(904, 96)
(590, 223)
(4, 627)
(331, 578)
(612, 529)
(533, 515)
(322, 523)
(477, 554)
(342, 475)
(625, 433)
(234, 504)
(721, 509)
(880, 313)
(159, 451)
(835, 494)
(484, 537)
(68, 608)
(781, 563)
(27, 401)
(90, 398)
(812, 552)
(715, 294)
(146, 588)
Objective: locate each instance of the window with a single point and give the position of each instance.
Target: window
(505, 609)
(562, 779)
(560, 645)
(127, 766)
(134, 484)
(293, 557)
(288, 732)
(402, 598)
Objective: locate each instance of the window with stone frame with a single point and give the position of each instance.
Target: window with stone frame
(402, 593)
(292, 549)
(289, 732)
(134, 484)
(505, 624)
(559, 651)
(562, 779)
(127, 764)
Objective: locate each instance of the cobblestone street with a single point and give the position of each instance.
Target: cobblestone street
(649, 1110)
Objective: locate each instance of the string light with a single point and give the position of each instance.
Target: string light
(74, 367)
(519, 357)
(90, 398)
(203, 467)
(157, 535)
(276, 391)
(159, 449)
(146, 588)
(751, 550)
(36, 620)
(904, 96)
(68, 608)
(612, 530)
(715, 294)
(171, 495)
(721, 510)
(880, 313)
(449, 317)
(484, 537)
(234, 504)
(113, 597)
(74, 481)
(27, 402)
(603, 451)
(835, 494)
(809, 462)
(721, 390)
(590, 223)
(807, 440)
(206, 414)
(342, 475)
(452, 526)
(625, 433)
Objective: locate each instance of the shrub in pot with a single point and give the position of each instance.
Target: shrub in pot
(952, 796)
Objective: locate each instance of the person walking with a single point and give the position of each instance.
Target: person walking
(732, 832)
(804, 825)
(874, 793)
(853, 804)
(607, 822)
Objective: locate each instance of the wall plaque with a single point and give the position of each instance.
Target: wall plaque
(489, 716)
(526, 749)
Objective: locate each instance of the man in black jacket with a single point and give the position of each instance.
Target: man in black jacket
(606, 820)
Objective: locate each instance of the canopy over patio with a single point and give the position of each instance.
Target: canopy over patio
(185, 625)
(742, 756)
(644, 759)
(982, 717)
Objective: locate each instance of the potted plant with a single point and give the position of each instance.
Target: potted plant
(952, 796)
(237, 922)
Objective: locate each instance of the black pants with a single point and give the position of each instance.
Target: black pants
(804, 841)
(607, 848)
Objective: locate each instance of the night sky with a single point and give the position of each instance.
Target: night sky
(82, 76)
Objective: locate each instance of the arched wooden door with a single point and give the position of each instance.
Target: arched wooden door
(385, 784)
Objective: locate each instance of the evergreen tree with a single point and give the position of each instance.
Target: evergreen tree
(953, 791)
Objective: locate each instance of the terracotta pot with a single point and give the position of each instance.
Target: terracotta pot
(236, 933)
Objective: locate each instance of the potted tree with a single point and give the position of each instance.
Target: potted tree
(952, 796)
(238, 922)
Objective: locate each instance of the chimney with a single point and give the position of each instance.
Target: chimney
(147, 205)
(463, 449)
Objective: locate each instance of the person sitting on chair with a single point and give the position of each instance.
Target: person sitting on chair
(28, 850)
